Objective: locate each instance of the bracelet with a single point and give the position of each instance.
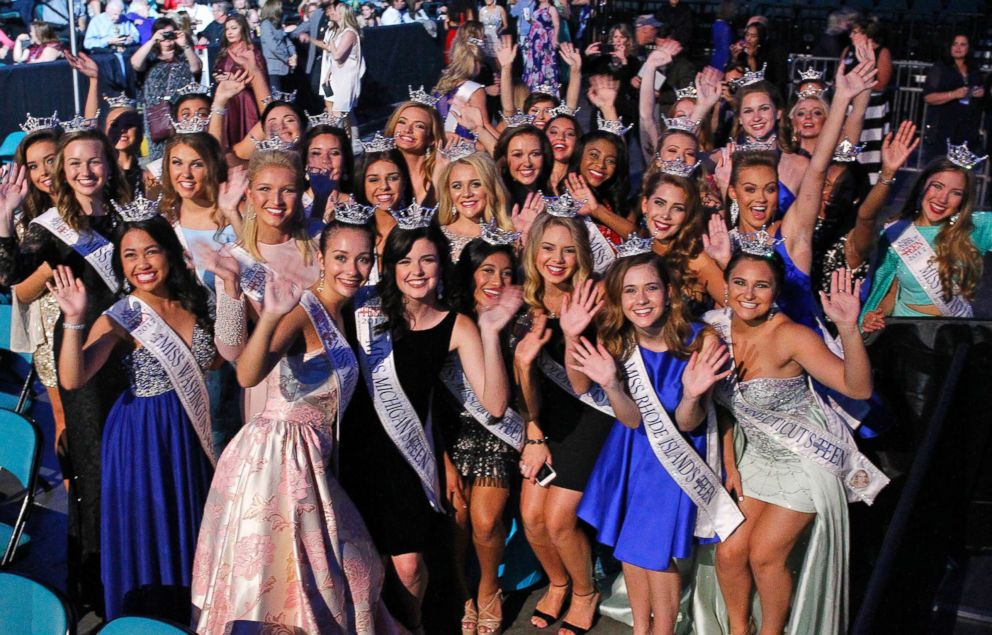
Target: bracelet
(885, 181)
(74, 327)
(217, 110)
(540, 441)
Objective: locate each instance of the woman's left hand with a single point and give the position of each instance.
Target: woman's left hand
(703, 370)
(594, 362)
(843, 304)
(580, 191)
(181, 40)
(497, 316)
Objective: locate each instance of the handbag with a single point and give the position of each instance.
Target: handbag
(159, 116)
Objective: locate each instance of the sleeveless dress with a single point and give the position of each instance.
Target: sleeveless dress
(345, 78)
(242, 110)
(492, 23)
(385, 488)
(155, 482)
(540, 61)
(282, 548)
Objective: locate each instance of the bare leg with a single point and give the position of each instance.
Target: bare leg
(772, 540)
(573, 548)
(532, 505)
(733, 569)
(665, 587)
(412, 572)
(460, 530)
(639, 592)
(489, 535)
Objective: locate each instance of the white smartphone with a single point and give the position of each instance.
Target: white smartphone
(545, 475)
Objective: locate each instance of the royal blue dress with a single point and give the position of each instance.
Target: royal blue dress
(630, 499)
(155, 482)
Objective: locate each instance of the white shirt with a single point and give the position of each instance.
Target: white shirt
(200, 16)
(391, 16)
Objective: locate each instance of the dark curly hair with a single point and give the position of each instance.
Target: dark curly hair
(614, 190)
(462, 296)
(36, 202)
(398, 245)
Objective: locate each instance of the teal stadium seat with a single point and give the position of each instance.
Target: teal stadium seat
(28, 607)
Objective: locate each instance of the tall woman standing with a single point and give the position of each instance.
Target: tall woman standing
(342, 65)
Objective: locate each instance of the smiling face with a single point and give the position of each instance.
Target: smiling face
(468, 192)
(756, 193)
(187, 171)
(325, 154)
(942, 197)
(682, 147)
(346, 261)
(751, 289)
(418, 273)
(808, 117)
(541, 110)
(122, 128)
(40, 161)
(384, 185)
(86, 167)
(273, 193)
(282, 121)
(562, 135)
(491, 279)
(758, 115)
(665, 210)
(557, 255)
(599, 162)
(413, 131)
(643, 298)
(144, 261)
(524, 158)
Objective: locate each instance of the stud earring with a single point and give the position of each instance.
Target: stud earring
(126, 286)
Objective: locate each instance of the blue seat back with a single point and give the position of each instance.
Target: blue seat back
(20, 447)
(10, 144)
(129, 625)
(28, 607)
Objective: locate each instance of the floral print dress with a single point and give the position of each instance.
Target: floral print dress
(540, 63)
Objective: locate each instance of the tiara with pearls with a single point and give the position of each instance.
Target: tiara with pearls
(458, 150)
(678, 167)
(137, 210)
(80, 123)
(562, 109)
(549, 88)
(120, 101)
(750, 77)
(421, 96)
(494, 235)
(811, 92)
(190, 125)
(274, 143)
(518, 119)
(33, 124)
(327, 119)
(474, 41)
(810, 75)
(192, 88)
(416, 216)
(613, 126)
(278, 95)
(689, 92)
(634, 246)
(685, 124)
(962, 157)
(847, 152)
(353, 213)
(564, 206)
(379, 143)
(768, 145)
(759, 243)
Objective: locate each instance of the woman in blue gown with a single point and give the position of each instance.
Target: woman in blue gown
(157, 443)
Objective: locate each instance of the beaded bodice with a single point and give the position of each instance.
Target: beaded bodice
(789, 395)
(147, 377)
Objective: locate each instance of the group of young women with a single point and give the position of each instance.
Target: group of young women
(468, 315)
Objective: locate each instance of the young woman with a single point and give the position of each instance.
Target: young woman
(805, 120)
(238, 54)
(157, 445)
(954, 93)
(599, 177)
(495, 22)
(418, 130)
(470, 194)
(330, 165)
(277, 48)
(563, 132)
(281, 120)
(561, 430)
(335, 575)
(782, 484)
(79, 232)
(457, 85)
(383, 183)
(637, 499)
(388, 465)
(342, 65)
(542, 101)
(539, 46)
(524, 158)
(869, 34)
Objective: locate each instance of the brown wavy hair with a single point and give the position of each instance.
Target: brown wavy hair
(533, 281)
(209, 150)
(115, 188)
(36, 202)
(614, 330)
(768, 89)
(296, 226)
(688, 242)
(437, 134)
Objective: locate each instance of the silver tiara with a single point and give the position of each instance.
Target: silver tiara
(518, 119)
(458, 150)
(416, 216)
(80, 123)
(120, 101)
(750, 77)
(847, 152)
(547, 89)
(353, 213)
(562, 109)
(494, 235)
(759, 243)
(689, 92)
(810, 75)
(421, 96)
(327, 119)
(634, 246)
(274, 143)
(379, 143)
(962, 157)
(678, 167)
(564, 206)
(474, 41)
(32, 124)
(685, 124)
(811, 92)
(613, 126)
(768, 145)
(137, 210)
(190, 125)
(192, 88)
(278, 95)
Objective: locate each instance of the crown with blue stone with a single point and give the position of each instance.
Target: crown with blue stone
(962, 157)
(811, 92)
(750, 77)
(495, 235)
(847, 152)
(518, 119)
(327, 119)
(190, 125)
(768, 145)
(562, 109)
(80, 123)
(678, 167)
(416, 216)
(138, 210)
(759, 243)
(810, 75)
(278, 95)
(193, 88)
(685, 124)
(458, 150)
(613, 126)
(353, 213)
(564, 206)
(120, 101)
(689, 92)
(33, 124)
(274, 143)
(549, 88)
(421, 96)
(379, 143)
(634, 246)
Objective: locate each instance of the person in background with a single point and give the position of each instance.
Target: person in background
(679, 17)
(108, 29)
(835, 36)
(954, 92)
(139, 14)
(645, 33)
(278, 49)
(41, 45)
(367, 16)
(395, 13)
(212, 33)
(199, 15)
(723, 33)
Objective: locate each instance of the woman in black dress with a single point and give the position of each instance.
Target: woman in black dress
(954, 93)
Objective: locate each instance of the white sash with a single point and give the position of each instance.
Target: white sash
(252, 274)
(698, 478)
(595, 398)
(94, 248)
(919, 257)
(397, 414)
(175, 357)
(336, 347)
(830, 449)
(509, 428)
(603, 252)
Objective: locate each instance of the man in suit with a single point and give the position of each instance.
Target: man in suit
(313, 27)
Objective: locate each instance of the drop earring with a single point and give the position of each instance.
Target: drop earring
(953, 219)
(735, 211)
(320, 285)
(440, 289)
(726, 301)
(126, 286)
(454, 212)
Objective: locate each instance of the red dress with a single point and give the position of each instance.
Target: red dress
(242, 110)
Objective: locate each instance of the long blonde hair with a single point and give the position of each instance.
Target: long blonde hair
(497, 195)
(437, 134)
(296, 224)
(464, 58)
(533, 280)
(348, 19)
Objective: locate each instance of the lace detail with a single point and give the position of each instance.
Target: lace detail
(146, 375)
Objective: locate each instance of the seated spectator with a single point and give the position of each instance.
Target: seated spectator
(6, 45)
(200, 16)
(109, 29)
(395, 13)
(40, 45)
(211, 34)
(139, 14)
(367, 16)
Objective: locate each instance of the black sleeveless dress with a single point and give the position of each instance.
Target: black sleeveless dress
(378, 479)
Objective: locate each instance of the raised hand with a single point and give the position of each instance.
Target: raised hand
(530, 345)
(581, 192)
(222, 265)
(595, 362)
(229, 85)
(716, 242)
(896, 147)
(232, 190)
(860, 78)
(570, 55)
(658, 57)
(843, 304)
(70, 292)
(467, 115)
(497, 316)
(13, 189)
(84, 63)
(578, 310)
(708, 86)
(281, 295)
(725, 165)
(603, 91)
(523, 218)
(505, 53)
(704, 369)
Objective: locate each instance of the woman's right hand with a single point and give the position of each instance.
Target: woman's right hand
(224, 267)
(532, 458)
(716, 242)
(733, 483)
(873, 321)
(530, 345)
(70, 292)
(84, 63)
(505, 53)
(578, 311)
(281, 295)
(232, 190)
(13, 190)
(897, 147)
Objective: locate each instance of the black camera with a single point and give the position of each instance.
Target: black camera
(606, 48)
(169, 35)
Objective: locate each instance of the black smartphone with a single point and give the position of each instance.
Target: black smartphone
(605, 48)
(169, 35)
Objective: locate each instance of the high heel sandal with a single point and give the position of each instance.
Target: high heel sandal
(489, 622)
(541, 615)
(470, 619)
(577, 630)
